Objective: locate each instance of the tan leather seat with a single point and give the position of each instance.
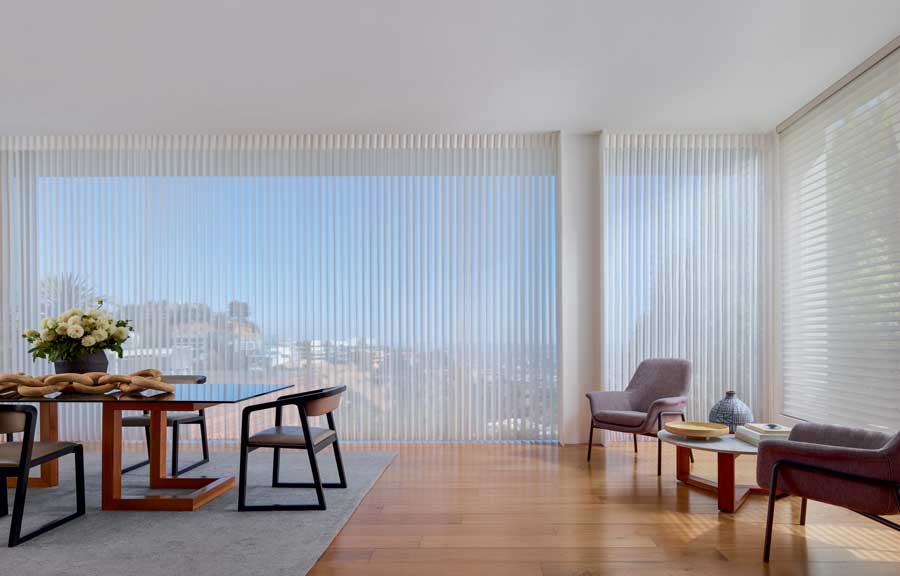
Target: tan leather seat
(288, 436)
(10, 452)
(143, 420)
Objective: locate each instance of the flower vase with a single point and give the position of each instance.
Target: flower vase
(731, 411)
(95, 362)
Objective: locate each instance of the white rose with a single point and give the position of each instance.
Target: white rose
(62, 328)
(120, 333)
(48, 335)
(75, 331)
(100, 335)
(88, 341)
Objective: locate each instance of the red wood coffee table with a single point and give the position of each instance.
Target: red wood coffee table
(731, 495)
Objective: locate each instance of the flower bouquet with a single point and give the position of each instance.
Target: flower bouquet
(78, 334)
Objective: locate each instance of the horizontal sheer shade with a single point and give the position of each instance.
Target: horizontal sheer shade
(684, 259)
(418, 270)
(841, 258)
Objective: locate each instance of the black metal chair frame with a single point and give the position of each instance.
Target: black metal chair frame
(773, 495)
(659, 418)
(199, 419)
(26, 463)
(299, 400)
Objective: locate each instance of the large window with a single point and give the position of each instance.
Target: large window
(685, 259)
(841, 273)
(419, 271)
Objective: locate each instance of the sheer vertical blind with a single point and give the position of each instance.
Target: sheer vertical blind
(841, 260)
(685, 244)
(418, 270)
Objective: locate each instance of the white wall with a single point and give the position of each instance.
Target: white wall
(580, 282)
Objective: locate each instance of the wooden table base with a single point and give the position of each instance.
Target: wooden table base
(731, 496)
(49, 432)
(205, 488)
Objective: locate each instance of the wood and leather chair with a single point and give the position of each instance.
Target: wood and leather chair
(17, 458)
(656, 394)
(853, 468)
(304, 437)
(174, 420)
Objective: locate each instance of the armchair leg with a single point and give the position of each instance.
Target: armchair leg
(803, 512)
(658, 456)
(770, 515)
(590, 442)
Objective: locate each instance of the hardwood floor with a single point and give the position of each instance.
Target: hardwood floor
(543, 510)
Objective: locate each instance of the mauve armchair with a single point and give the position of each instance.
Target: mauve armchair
(849, 467)
(657, 393)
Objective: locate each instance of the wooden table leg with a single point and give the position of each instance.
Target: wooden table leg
(49, 432)
(204, 489)
(111, 484)
(726, 488)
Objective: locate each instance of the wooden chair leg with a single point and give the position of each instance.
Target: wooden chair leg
(317, 478)
(590, 442)
(175, 449)
(803, 512)
(4, 499)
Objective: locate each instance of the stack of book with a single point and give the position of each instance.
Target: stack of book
(754, 432)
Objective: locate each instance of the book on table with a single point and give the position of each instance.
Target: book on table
(751, 435)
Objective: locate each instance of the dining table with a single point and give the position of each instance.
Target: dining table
(193, 491)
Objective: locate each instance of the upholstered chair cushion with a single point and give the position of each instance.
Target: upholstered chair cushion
(291, 436)
(11, 452)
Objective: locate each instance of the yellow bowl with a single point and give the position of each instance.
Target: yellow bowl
(697, 429)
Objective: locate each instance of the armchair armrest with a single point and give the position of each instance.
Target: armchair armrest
(608, 400)
(850, 461)
(671, 404)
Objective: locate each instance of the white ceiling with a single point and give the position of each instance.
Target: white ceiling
(423, 65)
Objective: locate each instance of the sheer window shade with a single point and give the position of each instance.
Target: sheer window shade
(685, 248)
(840, 168)
(418, 270)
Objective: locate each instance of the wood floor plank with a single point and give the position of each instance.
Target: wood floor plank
(527, 510)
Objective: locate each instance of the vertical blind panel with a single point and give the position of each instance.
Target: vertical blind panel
(420, 271)
(841, 260)
(684, 250)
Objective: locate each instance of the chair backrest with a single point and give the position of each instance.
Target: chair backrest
(657, 378)
(14, 418)
(184, 378)
(319, 402)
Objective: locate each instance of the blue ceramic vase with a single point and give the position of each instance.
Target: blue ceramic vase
(731, 411)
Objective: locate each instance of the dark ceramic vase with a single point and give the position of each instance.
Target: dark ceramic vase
(96, 362)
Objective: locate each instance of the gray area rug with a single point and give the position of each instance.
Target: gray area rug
(213, 540)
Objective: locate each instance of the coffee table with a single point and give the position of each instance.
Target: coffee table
(731, 496)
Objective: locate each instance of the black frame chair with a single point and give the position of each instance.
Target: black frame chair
(26, 463)
(173, 421)
(773, 495)
(314, 403)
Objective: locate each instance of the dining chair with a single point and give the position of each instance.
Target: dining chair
(18, 458)
(174, 420)
(657, 393)
(304, 437)
(853, 468)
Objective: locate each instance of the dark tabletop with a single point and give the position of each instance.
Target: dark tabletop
(187, 393)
